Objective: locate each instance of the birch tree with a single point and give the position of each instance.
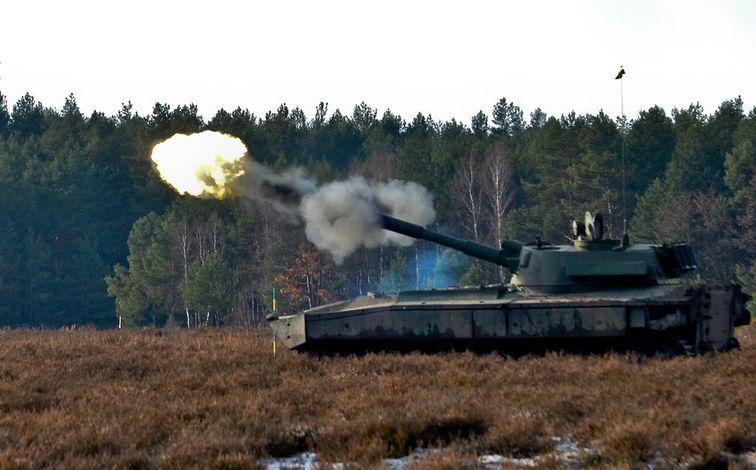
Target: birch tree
(498, 191)
(468, 189)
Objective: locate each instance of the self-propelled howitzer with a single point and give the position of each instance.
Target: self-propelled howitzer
(592, 293)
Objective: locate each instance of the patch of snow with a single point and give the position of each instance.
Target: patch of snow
(749, 459)
(305, 461)
(566, 450)
(498, 461)
(414, 456)
(565, 445)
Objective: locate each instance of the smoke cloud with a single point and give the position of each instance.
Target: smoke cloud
(282, 190)
(343, 216)
(340, 216)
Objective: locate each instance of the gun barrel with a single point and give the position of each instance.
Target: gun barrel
(508, 258)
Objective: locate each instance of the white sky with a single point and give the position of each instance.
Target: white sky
(446, 58)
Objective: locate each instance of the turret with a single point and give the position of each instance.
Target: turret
(589, 263)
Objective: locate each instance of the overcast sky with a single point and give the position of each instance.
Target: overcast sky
(447, 58)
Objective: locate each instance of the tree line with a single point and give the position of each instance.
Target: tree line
(90, 235)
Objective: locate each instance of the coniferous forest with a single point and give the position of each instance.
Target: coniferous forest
(90, 235)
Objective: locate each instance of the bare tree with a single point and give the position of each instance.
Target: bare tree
(208, 236)
(182, 236)
(702, 220)
(194, 240)
(498, 191)
(468, 188)
(469, 192)
(377, 166)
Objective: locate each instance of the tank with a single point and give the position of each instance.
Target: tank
(593, 293)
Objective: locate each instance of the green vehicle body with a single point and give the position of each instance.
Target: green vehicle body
(593, 293)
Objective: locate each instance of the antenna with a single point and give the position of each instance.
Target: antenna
(625, 237)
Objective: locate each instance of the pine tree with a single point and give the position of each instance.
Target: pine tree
(507, 118)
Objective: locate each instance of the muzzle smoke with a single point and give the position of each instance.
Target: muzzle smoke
(339, 217)
(343, 216)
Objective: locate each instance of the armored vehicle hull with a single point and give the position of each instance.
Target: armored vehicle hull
(686, 318)
(591, 293)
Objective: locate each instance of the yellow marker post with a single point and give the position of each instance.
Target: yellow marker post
(275, 311)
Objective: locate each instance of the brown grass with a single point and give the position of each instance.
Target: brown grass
(216, 398)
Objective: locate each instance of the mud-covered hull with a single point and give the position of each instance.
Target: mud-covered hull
(696, 317)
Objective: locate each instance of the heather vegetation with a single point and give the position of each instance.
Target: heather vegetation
(89, 235)
(215, 398)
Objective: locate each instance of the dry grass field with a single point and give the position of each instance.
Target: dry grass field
(216, 398)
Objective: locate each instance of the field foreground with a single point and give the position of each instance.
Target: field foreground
(177, 398)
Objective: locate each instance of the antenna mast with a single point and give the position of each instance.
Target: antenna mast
(623, 137)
